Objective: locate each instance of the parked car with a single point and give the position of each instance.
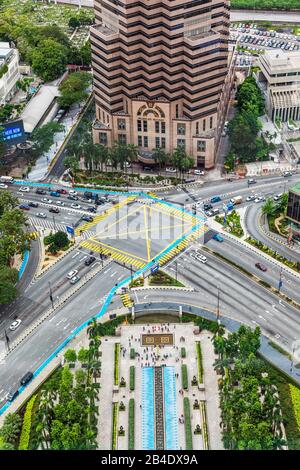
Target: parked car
(199, 172)
(90, 260)
(72, 192)
(61, 191)
(170, 170)
(55, 210)
(46, 200)
(40, 191)
(12, 394)
(260, 266)
(92, 209)
(26, 378)
(250, 198)
(24, 189)
(260, 199)
(207, 206)
(15, 324)
(75, 206)
(252, 181)
(87, 218)
(54, 194)
(73, 197)
(61, 203)
(278, 197)
(24, 207)
(33, 204)
(41, 215)
(72, 274)
(75, 279)
(3, 186)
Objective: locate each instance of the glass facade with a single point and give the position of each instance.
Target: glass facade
(293, 208)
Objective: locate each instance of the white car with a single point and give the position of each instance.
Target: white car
(75, 206)
(278, 197)
(199, 172)
(60, 203)
(250, 198)
(41, 215)
(46, 200)
(260, 199)
(3, 186)
(201, 257)
(72, 192)
(72, 274)
(74, 279)
(171, 170)
(15, 324)
(24, 189)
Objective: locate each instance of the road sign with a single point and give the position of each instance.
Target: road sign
(70, 230)
(155, 268)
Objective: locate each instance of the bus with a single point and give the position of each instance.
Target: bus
(6, 179)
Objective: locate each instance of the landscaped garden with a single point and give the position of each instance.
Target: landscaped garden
(232, 223)
(160, 278)
(291, 264)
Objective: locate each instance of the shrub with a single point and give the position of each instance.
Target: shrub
(131, 425)
(114, 426)
(132, 353)
(116, 363)
(184, 376)
(132, 378)
(187, 424)
(295, 394)
(199, 361)
(26, 428)
(183, 352)
(70, 355)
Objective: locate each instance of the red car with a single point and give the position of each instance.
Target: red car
(61, 191)
(261, 267)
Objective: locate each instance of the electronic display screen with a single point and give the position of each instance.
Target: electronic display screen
(12, 133)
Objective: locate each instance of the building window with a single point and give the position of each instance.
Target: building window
(145, 141)
(102, 138)
(121, 124)
(197, 127)
(163, 127)
(201, 145)
(163, 143)
(181, 143)
(122, 139)
(140, 141)
(181, 129)
(177, 110)
(204, 124)
(157, 127)
(211, 122)
(145, 126)
(139, 125)
(157, 142)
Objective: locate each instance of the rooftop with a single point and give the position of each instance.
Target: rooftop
(281, 60)
(296, 188)
(37, 106)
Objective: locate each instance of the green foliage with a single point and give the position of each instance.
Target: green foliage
(114, 426)
(3, 70)
(160, 278)
(132, 378)
(70, 355)
(199, 362)
(26, 428)
(183, 352)
(184, 376)
(74, 22)
(138, 282)
(132, 353)
(291, 264)
(202, 323)
(49, 60)
(43, 137)
(131, 425)
(83, 355)
(187, 424)
(73, 89)
(11, 428)
(265, 4)
(80, 376)
(295, 394)
(109, 328)
(116, 364)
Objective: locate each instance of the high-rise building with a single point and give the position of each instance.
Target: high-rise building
(162, 75)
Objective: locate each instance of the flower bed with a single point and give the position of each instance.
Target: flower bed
(132, 353)
(184, 377)
(187, 424)
(183, 353)
(199, 361)
(131, 425)
(132, 378)
(117, 364)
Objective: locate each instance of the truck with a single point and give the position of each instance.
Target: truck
(6, 179)
(236, 200)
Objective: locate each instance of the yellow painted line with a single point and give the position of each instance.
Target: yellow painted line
(119, 220)
(110, 248)
(182, 216)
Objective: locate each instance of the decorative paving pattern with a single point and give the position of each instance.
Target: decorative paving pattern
(159, 408)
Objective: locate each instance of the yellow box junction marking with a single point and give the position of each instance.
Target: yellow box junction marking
(118, 255)
(127, 302)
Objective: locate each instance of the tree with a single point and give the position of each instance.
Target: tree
(83, 355)
(72, 163)
(60, 239)
(8, 280)
(43, 137)
(8, 201)
(80, 375)
(269, 207)
(160, 157)
(13, 238)
(11, 428)
(49, 59)
(73, 89)
(74, 22)
(70, 355)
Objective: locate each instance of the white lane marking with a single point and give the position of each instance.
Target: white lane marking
(269, 313)
(263, 318)
(76, 254)
(81, 259)
(113, 274)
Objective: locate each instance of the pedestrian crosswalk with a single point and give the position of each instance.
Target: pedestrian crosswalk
(44, 223)
(127, 302)
(117, 255)
(105, 214)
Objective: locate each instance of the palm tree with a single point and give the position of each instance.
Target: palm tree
(269, 208)
(160, 157)
(92, 328)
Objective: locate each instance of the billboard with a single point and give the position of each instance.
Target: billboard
(12, 133)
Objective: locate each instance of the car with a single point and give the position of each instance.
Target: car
(12, 394)
(24, 189)
(46, 200)
(75, 279)
(199, 172)
(208, 213)
(261, 266)
(87, 218)
(26, 378)
(147, 168)
(15, 324)
(251, 181)
(259, 199)
(40, 191)
(41, 215)
(92, 209)
(215, 199)
(72, 274)
(278, 197)
(200, 257)
(33, 204)
(54, 194)
(3, 186)
(218, 237)
(90, 260)
(287, 173)
(72, 192)
(207, 206)
(73, 197)
(215, 211)
(60, 203)
(250, 198)
(24, 207)
(75, 206)
(170, 170)
(55, 210)
(61, 191)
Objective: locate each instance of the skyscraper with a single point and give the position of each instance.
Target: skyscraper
(161, 74)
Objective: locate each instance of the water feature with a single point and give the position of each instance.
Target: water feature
(170, 409)
(148, 430)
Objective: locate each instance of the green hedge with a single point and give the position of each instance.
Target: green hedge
(187, 424)
(131, 425)
(116, 363)
(132, 353)
(26, 428)
(184, 377)
(199, 361)
(132, 378)
(204, 425)
(183, 352)
(114, 426)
